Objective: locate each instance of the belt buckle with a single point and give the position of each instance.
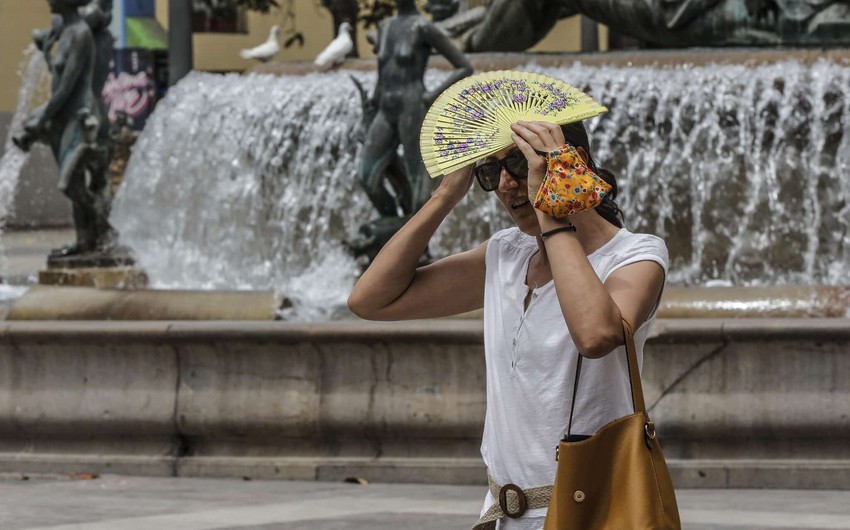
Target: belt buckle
(503, 500)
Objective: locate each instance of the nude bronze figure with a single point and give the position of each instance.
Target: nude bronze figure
(73, 123)
(516, 25)
(403, 45)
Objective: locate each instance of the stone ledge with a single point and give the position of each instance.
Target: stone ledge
(396, 401)
(127, 277)
(627, 58)
(686, 329)
(67, 464)
(439, 331)
(399, 470)
(712, 304)
(753, 473)
(52, 303)
(686, 474)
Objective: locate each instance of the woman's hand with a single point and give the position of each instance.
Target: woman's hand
(454, 186)
(532, 137)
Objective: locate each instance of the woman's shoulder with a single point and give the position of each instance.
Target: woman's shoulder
(649, 241)
(633, 246)
(509, 243)
(512, 237)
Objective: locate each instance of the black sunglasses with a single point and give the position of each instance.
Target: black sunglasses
(489, 172)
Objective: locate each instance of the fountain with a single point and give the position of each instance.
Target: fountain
(13, 160)
(270, 167)
(249, 182)
(516, 25)
(398, 185)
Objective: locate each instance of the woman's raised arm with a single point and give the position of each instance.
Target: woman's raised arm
(393, 288)
(592, 310)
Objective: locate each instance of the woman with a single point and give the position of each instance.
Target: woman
(549, 294)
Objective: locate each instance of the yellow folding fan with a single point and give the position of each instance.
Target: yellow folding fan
(472, 118)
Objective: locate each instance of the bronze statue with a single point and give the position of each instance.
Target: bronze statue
(122, 139)
(73, 122)
(394, 113)
(516, 25)
(98, 16)
(441, 9)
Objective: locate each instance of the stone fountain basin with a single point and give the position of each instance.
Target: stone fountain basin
(742, 403)
(79, 303)
(631, 58)
(83, 303)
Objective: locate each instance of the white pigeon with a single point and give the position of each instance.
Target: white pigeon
(266, 51)
(337, 50)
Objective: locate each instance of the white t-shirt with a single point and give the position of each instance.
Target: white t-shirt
(531, 364)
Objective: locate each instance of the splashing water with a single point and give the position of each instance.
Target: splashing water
(250, 182)
(14, 159)
(741, 169)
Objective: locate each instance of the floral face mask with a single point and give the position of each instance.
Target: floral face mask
(569, 186)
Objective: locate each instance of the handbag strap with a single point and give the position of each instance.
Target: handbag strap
(638, 404)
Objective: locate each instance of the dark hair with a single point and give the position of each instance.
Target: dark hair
(576, 135)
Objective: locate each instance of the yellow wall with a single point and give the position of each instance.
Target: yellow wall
(17, 20)
(215, 51)
(220, 52)
(566, 37)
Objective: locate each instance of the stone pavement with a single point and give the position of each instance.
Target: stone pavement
(139, 503)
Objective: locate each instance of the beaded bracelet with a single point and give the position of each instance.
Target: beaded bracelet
(568, 228)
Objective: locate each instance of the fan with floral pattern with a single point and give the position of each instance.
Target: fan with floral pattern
(471, 119)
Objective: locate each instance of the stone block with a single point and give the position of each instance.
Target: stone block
(81, 303)
(101, 277)
(249, 390)
(85, 388)
(737, 403)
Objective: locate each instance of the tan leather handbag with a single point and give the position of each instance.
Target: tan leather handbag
(616, 479)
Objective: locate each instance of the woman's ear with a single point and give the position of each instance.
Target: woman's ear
(583, 154)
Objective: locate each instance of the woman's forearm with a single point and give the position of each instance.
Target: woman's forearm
(592, 316)
(394, 268)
